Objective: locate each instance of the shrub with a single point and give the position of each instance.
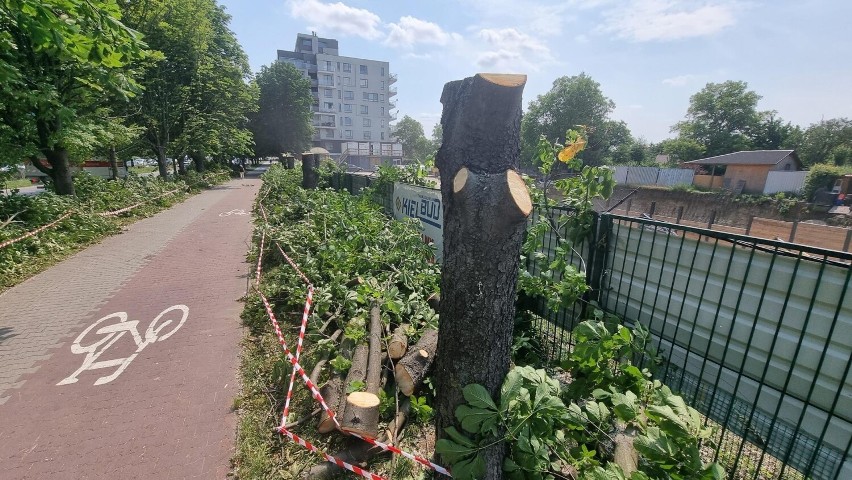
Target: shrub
(822, 175)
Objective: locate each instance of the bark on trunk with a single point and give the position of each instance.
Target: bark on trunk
(485, 210)
(412, 369)
(199, 161)
(60, 171)
(161, 162)
(333, 394)
(310, 172)
(374, 361)
(113, 163)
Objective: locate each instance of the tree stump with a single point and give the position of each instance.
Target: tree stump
(310, 170)
(486, 205)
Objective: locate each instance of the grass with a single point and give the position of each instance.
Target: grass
(19, 183)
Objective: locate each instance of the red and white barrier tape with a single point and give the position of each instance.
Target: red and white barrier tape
(127, 209)
(259, 259)
(340, 463)
(302, 328)
(36, 231)
(293, 264)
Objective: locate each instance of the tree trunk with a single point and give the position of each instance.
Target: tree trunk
(199, 161)
(161, 161)
(60, 171)
(113, 163)
(412, 369)
(485, 209)
(374, 360)
(181, 164)
(310, 172)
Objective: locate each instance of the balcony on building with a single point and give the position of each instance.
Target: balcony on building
(391, 104)
(391, 91)
(392, 78)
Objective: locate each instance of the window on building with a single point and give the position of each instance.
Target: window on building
(383, 111)
(368, 122)
(347, 121)
(363, 83)
(383, 71)
(328, 80)
(363, 110)
(307, 43)
(347, 67)
(383, 135)
(363, 69)
(328, 133)
(347, 107)
(382, 98)
(328, 105)
(329, 67)
(347, 81)
(366, 135)
(384, 124)
(787, 167)
(347, 134)
(349, 95)
(372, 97)
(382, 87)
(327, 93)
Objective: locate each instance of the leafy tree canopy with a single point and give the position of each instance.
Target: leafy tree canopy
(409, 132)
(283, 122)
(829, 141)
(573, 101)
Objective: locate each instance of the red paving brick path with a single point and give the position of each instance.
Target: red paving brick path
(168, 415)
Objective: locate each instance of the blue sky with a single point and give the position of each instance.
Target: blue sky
(648, 55)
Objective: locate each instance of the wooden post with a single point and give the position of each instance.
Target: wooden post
(793, 231)
(653, 209)
(679, 214)
(627, 208)
(486, 204)
(848, 241)
(749, 224)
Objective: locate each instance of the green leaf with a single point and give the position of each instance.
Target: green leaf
(469, 469)
(459, 438)
(472, 418)
(452, 451)
(477, 396)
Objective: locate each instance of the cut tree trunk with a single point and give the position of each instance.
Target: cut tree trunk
(434, 301)
(310, 171)
(413, 367)
(361, 415)
(625, 454)
(398, 344)
(486, 205)
(333, 394)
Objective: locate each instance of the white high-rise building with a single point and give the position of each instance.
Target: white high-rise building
(353, 104)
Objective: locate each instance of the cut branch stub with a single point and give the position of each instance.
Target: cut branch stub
(413, 367)
(398, 344)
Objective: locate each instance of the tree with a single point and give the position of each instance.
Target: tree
(573, 101)
(409, 132)
(62, 63)
(681, 149)
(829, 141)
(283, 120)
(437, 137)
(722, 118)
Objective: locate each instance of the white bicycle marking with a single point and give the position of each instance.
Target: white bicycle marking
(236, 211)
(111, 333)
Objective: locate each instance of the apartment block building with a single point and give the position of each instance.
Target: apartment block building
(353, 101)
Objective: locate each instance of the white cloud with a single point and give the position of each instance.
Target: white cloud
(512, 50)
(662, 20)
(417, 56)
(679, 80)
(338, 17)
(410, 31)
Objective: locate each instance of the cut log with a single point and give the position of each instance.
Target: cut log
(374, 360)
(361, 415)
(434, 301)
(398, 344)
(354, 282)
(413, 367)
(333, 393)
(355, 452)
(357, 373)
(395, 426)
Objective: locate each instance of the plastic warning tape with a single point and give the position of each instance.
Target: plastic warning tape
(340, 463)
(259, 259)
(305, 314)
(36, 231)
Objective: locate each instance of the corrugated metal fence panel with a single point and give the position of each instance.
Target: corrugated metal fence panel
(791, 182)
(642, 175)
(665, 177)
(675, 176)
(715, 310)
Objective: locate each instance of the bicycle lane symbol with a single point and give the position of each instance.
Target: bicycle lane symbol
(236, 211)
(111, 332)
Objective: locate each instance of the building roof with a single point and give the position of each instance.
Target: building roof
(754, 157)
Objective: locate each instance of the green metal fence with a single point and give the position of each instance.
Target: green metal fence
(754, 333)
